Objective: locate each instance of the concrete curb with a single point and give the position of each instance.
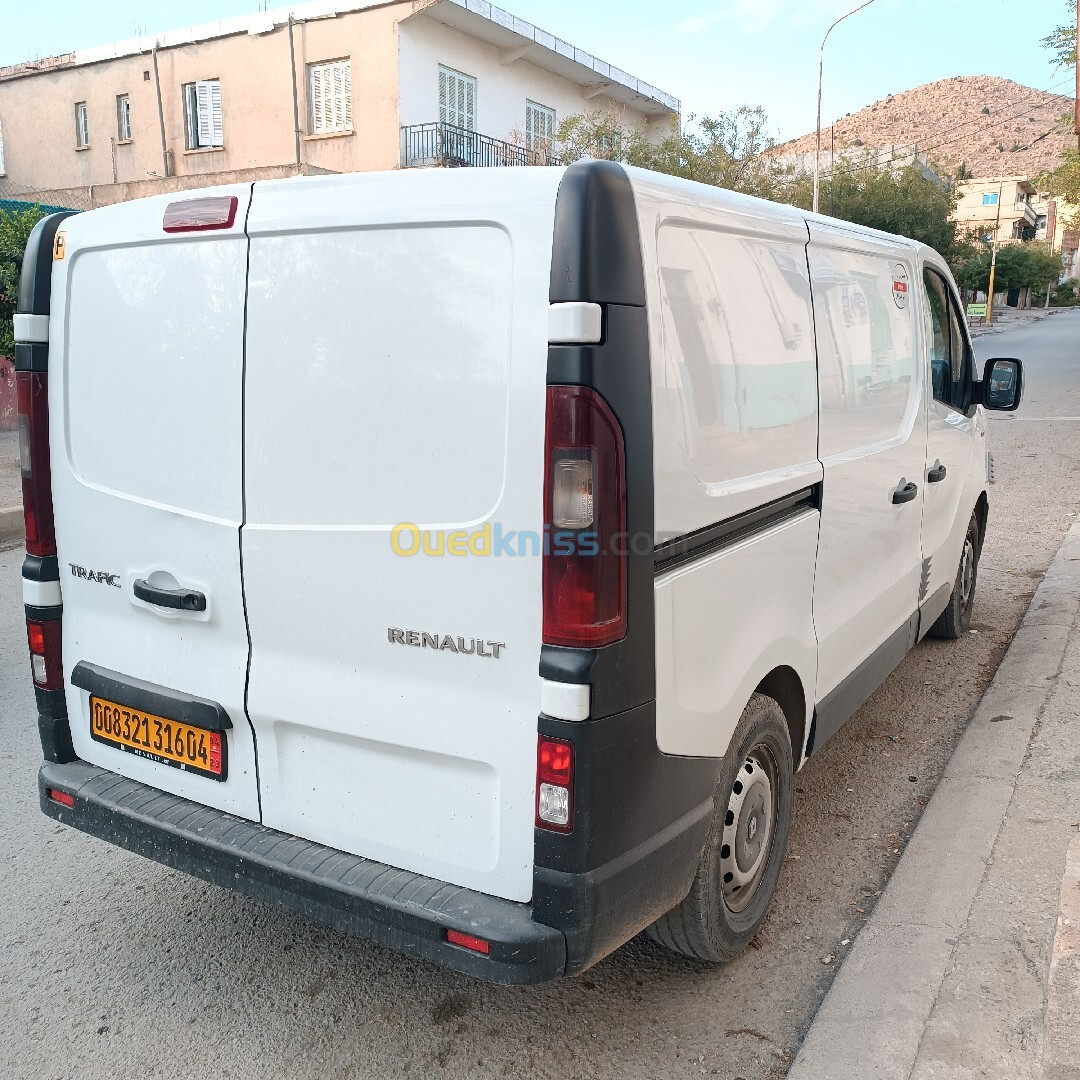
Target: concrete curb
(872, 1021)
(11, 523)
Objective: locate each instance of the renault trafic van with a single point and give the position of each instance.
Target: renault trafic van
(468, 559)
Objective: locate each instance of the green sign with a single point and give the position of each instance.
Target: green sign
(976, 311)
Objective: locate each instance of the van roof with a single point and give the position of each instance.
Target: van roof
(724, 198)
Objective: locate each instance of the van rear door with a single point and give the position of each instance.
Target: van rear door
(397, 330)
(145, 385)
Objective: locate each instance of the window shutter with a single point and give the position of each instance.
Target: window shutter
(470, 104)
(337, 110)
(457, 98)
(215, 114)
(202, 108)
(346, 84)
(318, 100)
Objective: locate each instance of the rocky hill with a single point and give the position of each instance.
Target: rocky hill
(992, 126)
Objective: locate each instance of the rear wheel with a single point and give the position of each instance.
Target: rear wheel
(955, 620)
(740, 865)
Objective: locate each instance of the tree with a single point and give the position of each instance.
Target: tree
(15, 227)
(1064, 181)
(1019, 266)
(727, 150)
(1062, 42)
(896, 200)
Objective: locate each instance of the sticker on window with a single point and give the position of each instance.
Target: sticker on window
(899, 286)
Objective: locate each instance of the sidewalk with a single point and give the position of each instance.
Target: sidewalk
(1007, 318)
(969, 966)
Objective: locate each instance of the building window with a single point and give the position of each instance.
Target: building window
(1, 149)
(123, 118)
(202, 114)
(990, 198)
(82, 131)
(330, 95)
(457, 99)
(609, 146)
(539, 126)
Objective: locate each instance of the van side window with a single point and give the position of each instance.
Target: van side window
(947, 343)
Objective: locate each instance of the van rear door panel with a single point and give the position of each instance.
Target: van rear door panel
(396, 377)
(146, 363)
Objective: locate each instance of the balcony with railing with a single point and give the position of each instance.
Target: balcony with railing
(452, 147)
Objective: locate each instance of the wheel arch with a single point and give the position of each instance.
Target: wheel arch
(982, 513)
(784, 686)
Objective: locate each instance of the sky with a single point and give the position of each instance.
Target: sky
(712, 54)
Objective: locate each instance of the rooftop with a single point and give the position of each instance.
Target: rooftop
(517, 38)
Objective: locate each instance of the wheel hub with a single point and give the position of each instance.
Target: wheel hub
(748, 828)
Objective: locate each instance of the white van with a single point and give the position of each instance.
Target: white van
(469, 558)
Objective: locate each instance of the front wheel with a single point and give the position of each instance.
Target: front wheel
(745, 847)
(955, 620)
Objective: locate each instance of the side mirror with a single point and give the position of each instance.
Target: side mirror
(1002, 384)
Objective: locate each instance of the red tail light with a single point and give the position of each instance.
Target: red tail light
(585, 510)
(555, 784)
(32, 390)
(61, 797)
(45, 661)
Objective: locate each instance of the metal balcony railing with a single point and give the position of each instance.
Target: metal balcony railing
(452, 146)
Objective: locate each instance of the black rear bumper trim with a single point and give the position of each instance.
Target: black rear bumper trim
(402, 910)
(149, 697)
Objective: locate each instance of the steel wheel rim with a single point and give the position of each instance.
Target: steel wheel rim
(967, 574)
(749, 826)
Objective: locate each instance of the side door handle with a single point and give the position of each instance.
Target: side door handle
(936, 474)
(181, 599)
(905, 493)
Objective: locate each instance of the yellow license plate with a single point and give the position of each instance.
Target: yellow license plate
(157, 738)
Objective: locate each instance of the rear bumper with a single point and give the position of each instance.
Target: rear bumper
(397, 908)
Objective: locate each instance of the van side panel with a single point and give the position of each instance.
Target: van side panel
(873, 444)
(722, 624)
(397, 339)
(735, 429)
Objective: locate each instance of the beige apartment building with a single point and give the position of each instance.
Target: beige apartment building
(325, 87)
(1010, 210)
(998, 208)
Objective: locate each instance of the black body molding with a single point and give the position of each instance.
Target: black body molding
(640, 816)
(35, 298)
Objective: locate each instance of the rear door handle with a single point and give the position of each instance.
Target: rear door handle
(906, 493)
(181, 599)
(936, 474)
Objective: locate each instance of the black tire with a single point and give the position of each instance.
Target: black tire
(955, 620)
(709, 925)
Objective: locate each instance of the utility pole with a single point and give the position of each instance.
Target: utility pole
(820, 65)
(993, 256)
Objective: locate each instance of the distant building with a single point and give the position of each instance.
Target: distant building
(998, 208)
(855, 158)
(326, 87)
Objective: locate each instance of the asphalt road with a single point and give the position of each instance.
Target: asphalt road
(116, 967)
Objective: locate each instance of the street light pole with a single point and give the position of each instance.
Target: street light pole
(993, 257)
(820, 65)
